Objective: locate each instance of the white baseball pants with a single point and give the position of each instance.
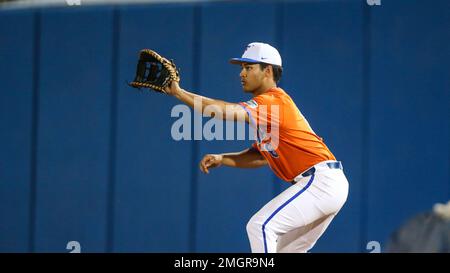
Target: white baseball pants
(295, 219)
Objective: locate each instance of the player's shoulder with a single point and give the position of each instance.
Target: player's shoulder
(272, 94)
(278, 95)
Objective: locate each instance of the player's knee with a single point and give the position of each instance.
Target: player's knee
(253, 226)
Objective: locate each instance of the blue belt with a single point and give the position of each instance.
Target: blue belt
(312, 170)
(331, 165)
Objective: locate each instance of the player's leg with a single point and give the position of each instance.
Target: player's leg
(302, 239)
(262, 237)
(304, 203)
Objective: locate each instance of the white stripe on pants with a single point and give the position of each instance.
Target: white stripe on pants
(295, 219)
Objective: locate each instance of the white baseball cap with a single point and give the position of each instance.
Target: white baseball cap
(259, 53)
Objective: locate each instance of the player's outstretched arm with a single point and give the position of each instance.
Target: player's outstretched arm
(248, 158)
(208, 107)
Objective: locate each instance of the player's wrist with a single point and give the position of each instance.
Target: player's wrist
(220, 158)
(178, 92)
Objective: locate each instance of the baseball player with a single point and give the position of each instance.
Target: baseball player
(295, 219)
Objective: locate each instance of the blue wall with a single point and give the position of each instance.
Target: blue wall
(85, 158)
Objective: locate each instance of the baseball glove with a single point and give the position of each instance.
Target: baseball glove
(154, 71)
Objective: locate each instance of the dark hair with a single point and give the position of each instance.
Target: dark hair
(277, 71)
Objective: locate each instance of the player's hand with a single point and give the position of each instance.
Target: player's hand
(210, 161)
(173, 89)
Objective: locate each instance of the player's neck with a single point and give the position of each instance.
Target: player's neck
(264, 88)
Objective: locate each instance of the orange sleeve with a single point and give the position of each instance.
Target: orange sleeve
(264, 115)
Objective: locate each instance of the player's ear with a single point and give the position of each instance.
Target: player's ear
(268, 71)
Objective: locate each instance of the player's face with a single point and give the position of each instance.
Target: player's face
(251, 77)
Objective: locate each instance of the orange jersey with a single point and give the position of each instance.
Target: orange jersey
(283, 135)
